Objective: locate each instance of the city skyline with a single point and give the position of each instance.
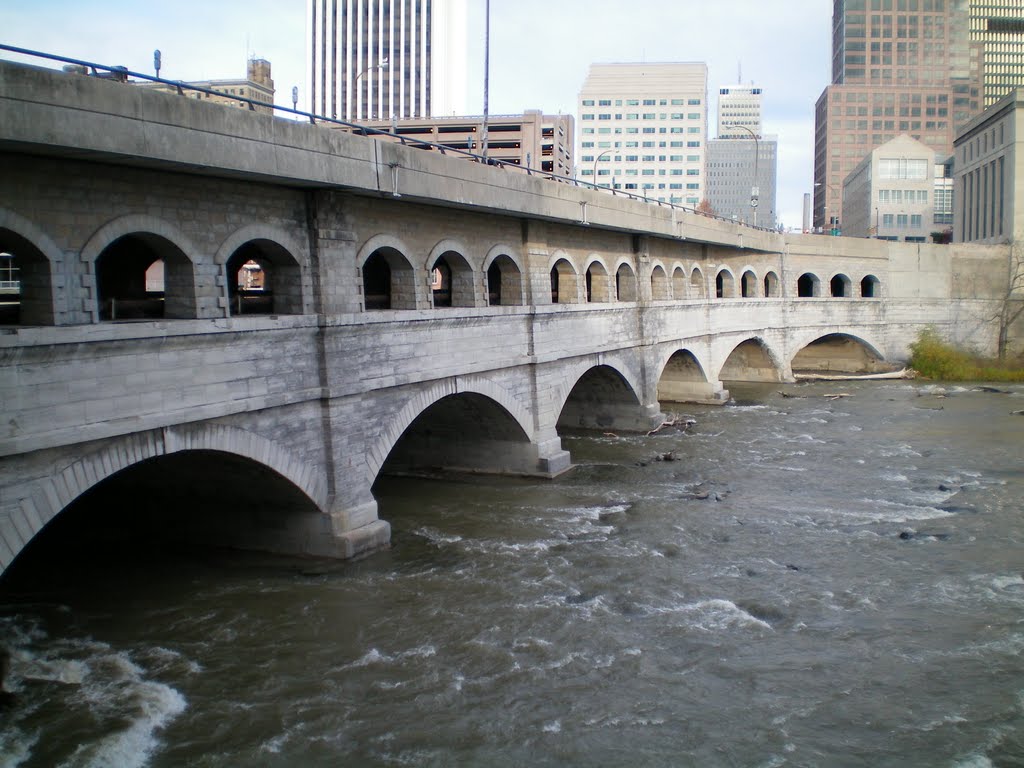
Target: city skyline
(534, 63)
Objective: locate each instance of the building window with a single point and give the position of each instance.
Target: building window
(901, 220)
(915, 221)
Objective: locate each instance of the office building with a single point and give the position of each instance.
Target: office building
(739, 108)
(257, 86)
(987, 167)
(741, 162)
(643, 128)
(997, 27)
(374, 60)
(890, 195)
(894, 71)
(530, 140)
(740, 170)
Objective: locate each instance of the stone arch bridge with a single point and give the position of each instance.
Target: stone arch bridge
(212, 298)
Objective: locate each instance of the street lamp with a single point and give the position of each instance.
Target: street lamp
(596, 159)
(383, 64)
(757, 153)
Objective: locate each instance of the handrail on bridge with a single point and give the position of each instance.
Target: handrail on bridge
(123, 73)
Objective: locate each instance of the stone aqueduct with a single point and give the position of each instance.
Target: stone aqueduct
(415, 311)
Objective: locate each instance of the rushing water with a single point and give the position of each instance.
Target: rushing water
(811, 582)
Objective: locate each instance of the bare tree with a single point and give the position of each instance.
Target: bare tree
(705, 208)
(1012, 301)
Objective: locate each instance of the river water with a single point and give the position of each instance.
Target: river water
(810, 582)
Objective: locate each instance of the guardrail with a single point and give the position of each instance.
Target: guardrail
(123, 73)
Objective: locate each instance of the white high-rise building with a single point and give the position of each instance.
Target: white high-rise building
(643, 129)
(378, 59)
(739, 107)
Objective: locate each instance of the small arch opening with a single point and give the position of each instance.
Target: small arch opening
(625, 283)
(661, 289)
(451, 281)
(679, 283)
(748, 285)
(597, 289)
(808, 286)
(264, 279)
(870, 287)
(143, 276)
(504, 282)
(724, 284)
(388, 281)
(771, 285)
(563, 283)
(840, 287)
(697, 284)
(26, 285)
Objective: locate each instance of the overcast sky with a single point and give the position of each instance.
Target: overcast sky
(540, 50)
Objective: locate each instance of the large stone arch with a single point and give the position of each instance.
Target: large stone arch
(47, 311)
(424, 399)
(839, 352)
(683, 376)
(631, 415)
(48, 497)
(752, 359)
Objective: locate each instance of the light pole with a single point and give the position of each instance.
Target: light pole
(754, 188)
(487, 72)
(383, 64)
(596, 159)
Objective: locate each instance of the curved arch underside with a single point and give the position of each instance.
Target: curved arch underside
(465, 432)
(203, 498)
(750, 361)
(838, 353)
(603, 399)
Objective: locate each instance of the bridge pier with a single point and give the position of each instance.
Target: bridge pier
(350, 532)
(703, 392)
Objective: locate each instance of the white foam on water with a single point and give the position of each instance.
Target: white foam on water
(553, 727)
(155, 705)
(437, 537)
(373, 656)
(716, 615)
(974, 761)
(16, 747)
(1008, 582)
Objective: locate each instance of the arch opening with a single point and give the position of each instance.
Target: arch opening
(679, 283)
(602, 399)
(388, 280)
(597, 287)
(750, 361)
(563, 283)
(697, 284)
(625, 284)
(870, 287)
(179, 502)
(771, 285)
(26, 284)
(683, 380)
(264, 279)
(661, 288)
(143, 276)
(725, 287)
(748, 285)
(464, 432)
(504, 282)
(840, 287)
(452, 281)
(808, 286)
(839, 353)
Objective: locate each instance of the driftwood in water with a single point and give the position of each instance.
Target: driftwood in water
(675, 422)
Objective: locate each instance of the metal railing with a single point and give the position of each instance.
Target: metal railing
(122, 73)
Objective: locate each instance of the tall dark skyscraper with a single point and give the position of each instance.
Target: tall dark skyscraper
(898, 67)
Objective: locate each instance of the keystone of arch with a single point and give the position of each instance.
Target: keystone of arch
(252, 232)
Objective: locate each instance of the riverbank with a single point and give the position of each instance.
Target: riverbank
(932, 358)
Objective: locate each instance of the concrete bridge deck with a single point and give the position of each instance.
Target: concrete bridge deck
(415, 311)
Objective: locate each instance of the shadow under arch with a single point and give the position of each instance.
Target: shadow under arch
(596, 281)
(839, 353)
(26, 282)
(453, 281)
(751, 361)
(626, 288)
(683, 380)
(564, 280)
(249, 484)
(602, 397)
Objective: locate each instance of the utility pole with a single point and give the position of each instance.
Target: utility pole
(487, 71)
